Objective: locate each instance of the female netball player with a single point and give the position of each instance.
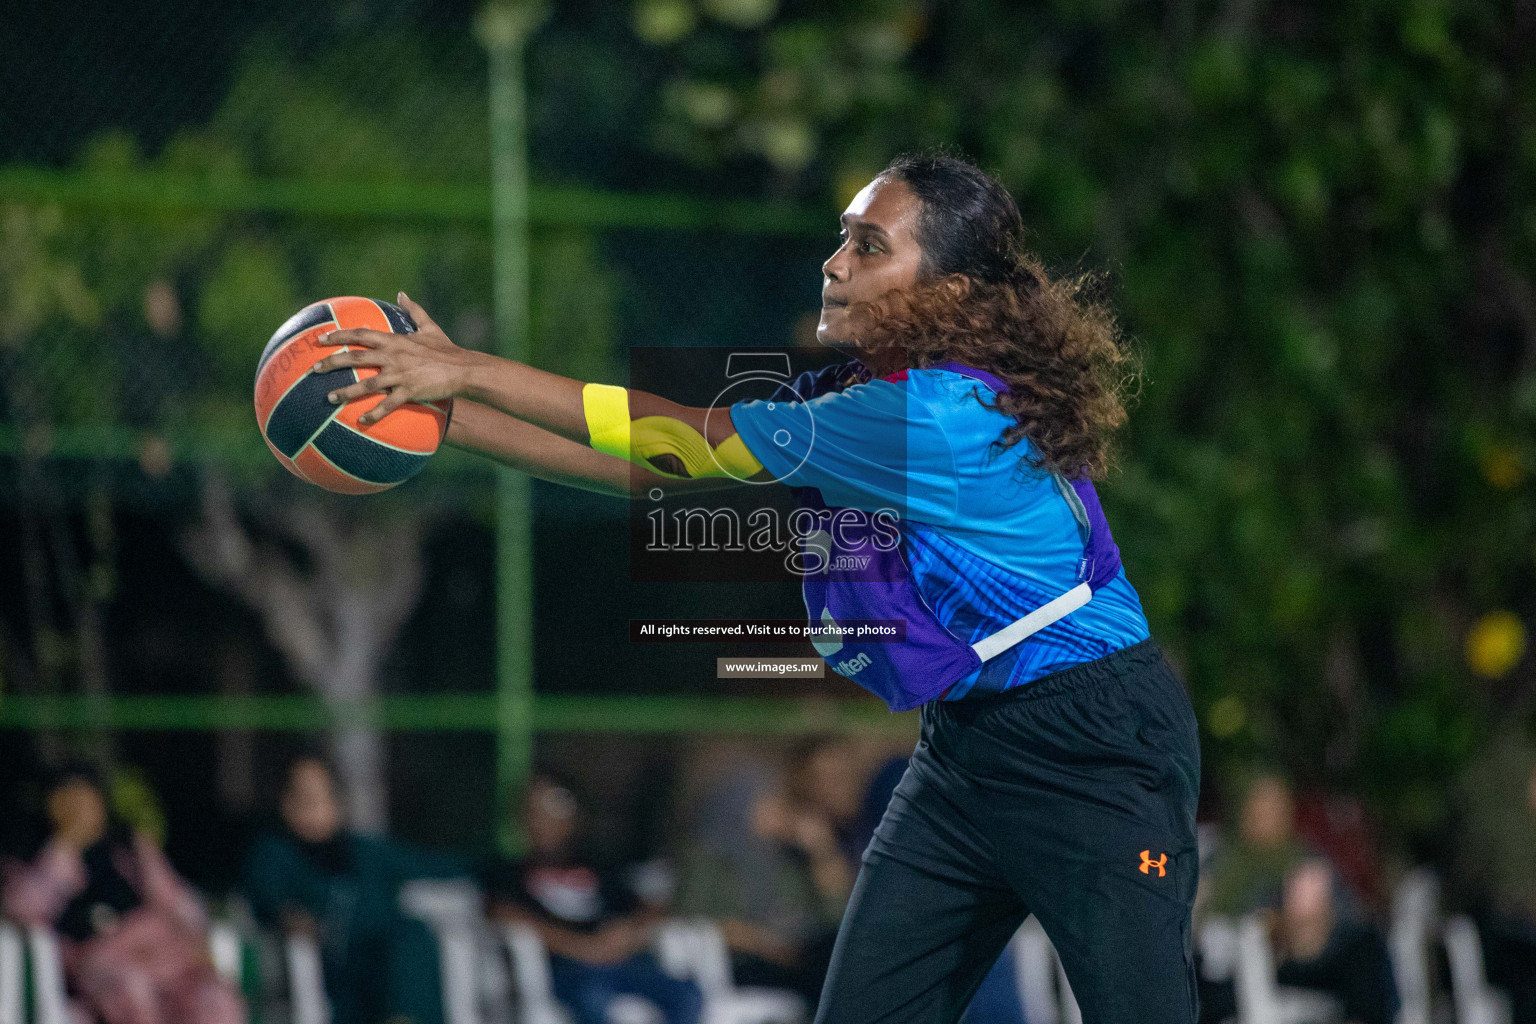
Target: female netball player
(1058, 764)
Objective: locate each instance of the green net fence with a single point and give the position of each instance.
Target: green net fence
(175, 185)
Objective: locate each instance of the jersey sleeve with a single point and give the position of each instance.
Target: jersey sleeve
(870, 446)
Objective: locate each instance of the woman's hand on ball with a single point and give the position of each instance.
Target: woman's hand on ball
(423, 366)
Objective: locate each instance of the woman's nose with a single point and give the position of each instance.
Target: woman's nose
(836, 266)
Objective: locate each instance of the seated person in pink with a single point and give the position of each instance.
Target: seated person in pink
(133, 935)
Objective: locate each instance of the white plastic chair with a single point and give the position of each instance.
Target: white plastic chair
(1044, 991)
(1260, 999)
(51, 1004)
(308, 1003)
(629, 1009)
(1415, 914)
(12, 980)
(1475, 1000)
(225, 949)
(696, 949)
(534, 992)
(1218, 949)
(50, 1000)
(452, 909)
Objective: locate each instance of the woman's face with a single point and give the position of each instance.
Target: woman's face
(832, 781)
(78, 813)
(550, 816)
(878, 253)
(309, 805)
(1269, 814)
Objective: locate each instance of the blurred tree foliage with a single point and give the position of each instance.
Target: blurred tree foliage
(1316, 220)
(187, 302)
(117, 319)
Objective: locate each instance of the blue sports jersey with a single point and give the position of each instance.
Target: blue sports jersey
(987, 538)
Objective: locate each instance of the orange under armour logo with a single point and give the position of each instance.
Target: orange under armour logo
(1147, 864)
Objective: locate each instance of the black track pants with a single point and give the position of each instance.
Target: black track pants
(1071, 798)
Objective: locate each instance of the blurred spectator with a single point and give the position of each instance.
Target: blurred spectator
(1321, 942)
(1335, 827)
(1249, 867)
(314, 877)
(133, 935)
(824, 792)
(1498, 853)
(770, 862)
(596, 929)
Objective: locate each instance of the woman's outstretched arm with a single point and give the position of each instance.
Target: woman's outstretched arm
(548, 456)
(667, 440)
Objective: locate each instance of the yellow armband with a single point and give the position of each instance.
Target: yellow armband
(650, 437)
(607, 411)
(736, 459)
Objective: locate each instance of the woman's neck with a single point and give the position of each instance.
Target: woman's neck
(883, 362)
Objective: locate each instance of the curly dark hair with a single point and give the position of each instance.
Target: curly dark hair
(1058, 348)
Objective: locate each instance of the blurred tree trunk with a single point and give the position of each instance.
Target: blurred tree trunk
(87, 575)
(333, 612)
(237, 747)
(66, 583)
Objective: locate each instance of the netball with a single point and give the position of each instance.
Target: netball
(324, 443)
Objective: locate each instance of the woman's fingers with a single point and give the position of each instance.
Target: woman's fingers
(348, 393)
(351, 357)
(398, 358)
(423, 321)
(396, 397)
(392, 401)
(367, 386)
(357, 336)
